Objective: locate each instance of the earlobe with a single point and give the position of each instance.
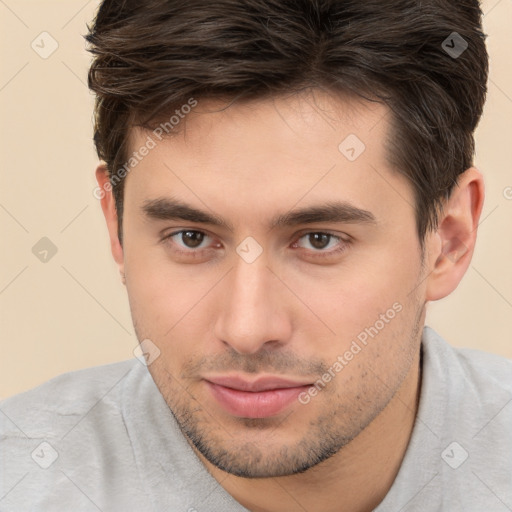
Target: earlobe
(456, 235)
(109, 211)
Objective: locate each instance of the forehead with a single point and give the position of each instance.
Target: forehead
(304, 115)
(267, 155)
(278, 121)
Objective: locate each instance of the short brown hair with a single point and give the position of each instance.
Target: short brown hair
(151, 56)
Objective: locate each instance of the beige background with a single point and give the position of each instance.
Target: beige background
(72, 312)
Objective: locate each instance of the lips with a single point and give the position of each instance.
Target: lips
(262, 398)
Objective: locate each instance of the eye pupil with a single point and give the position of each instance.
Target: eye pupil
(195, 237)
(319, 240)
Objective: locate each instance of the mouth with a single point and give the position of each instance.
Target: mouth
(262, 398)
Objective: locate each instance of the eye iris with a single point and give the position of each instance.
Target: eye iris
(319, 240)
(194, 237)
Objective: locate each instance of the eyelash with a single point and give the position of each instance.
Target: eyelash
(315, 253)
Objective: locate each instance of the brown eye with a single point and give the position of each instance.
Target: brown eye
(319, 240)
(322, 246)
(187, 240)
(192, 239)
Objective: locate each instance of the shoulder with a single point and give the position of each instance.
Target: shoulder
(479, 366)
(462, 433)
(69, 396)
(468, 392)
(474, 366)
(65, 441)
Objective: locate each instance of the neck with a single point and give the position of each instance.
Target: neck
(357, 478)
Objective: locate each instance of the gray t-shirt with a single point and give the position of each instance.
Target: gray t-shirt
(104, 439)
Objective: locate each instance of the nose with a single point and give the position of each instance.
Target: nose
(253, 312)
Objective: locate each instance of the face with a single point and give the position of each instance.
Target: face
(287, 313)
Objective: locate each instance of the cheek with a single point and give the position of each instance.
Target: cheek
(361, 288)
(364, 306)
(158, 292)
(173, 305)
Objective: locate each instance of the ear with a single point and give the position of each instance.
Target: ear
(454, 241)
(109, 211)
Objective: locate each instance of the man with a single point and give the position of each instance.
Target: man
(286, 186)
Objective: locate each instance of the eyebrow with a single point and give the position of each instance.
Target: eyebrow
(333, 211)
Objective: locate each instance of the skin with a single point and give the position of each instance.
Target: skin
(291, 312)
